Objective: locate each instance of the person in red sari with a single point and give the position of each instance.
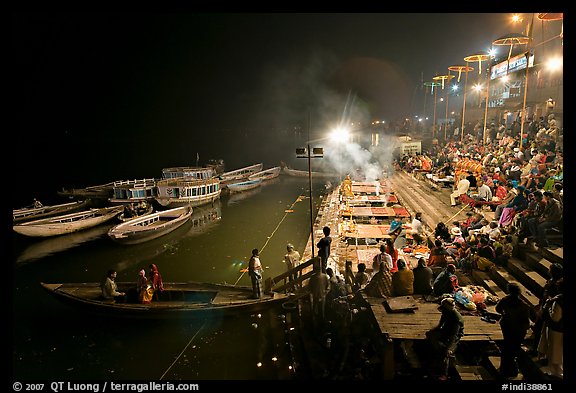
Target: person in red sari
(155, 280)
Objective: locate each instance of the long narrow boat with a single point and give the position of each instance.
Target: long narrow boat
(67, 223)
(245, 185)
(300, 173)
(178, 300)
(241, 173)
(266, 174)
(150, 226)
(34, 213)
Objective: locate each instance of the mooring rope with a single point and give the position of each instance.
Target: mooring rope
(181, 353)
(273, 232)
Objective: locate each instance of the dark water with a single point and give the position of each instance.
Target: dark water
(54, 341)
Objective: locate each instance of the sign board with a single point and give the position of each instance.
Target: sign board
(516, 63)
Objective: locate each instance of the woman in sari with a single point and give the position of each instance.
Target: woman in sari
(155, 281)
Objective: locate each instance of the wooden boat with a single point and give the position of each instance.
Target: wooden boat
(150, 226)
(266, 174)
(183, 191)
(130, 191)
(245, 185)
(34, 213)
(178, 300)
(241, 173)
(300, 173)
(67, 223)
(102, 191)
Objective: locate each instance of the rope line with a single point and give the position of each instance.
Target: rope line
(181, 353)
(272, 234)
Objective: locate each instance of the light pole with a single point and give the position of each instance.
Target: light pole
(460, 69)
(444, 78)
(521, 39)
(432, 86)
(480, 57)
(304, 152)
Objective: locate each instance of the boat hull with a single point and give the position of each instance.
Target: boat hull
(29, 214)
(178, 300)
(68, 223)
(151, 226)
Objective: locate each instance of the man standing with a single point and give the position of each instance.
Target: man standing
(292, 260)
(319, 286)
(444, 337)
(324, 248)
(255, 272)
(515, 321)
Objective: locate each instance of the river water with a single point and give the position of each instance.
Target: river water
(53, 341)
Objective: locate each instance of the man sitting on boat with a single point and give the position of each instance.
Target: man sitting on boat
(110, 289)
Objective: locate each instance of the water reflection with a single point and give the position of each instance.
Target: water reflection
(203, 219)
(42, 248)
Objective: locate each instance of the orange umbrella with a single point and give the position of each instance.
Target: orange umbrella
(512, 39)
(443, 78)
(460, 69)
(551, 16)
(479, 57)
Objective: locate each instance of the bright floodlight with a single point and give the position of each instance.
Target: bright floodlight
(454, 87)
(339, 135)
(554, 64)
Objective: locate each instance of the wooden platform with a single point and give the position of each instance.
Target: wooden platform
(413, 325)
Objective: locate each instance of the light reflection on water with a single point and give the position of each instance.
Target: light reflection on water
(54, 341)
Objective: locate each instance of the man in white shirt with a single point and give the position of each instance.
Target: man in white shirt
(484, 192)
(418, 232)
(461, 188)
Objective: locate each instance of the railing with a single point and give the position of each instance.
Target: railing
(282, 282)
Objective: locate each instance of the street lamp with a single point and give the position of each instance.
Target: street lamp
(460, 69)
(304, 152)
(480, 57)
(444, 78)
(520, 39)
(432, 85)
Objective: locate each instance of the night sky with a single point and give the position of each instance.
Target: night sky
(112, 96)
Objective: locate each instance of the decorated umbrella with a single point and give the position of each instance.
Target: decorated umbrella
(432, 86)
(512, 39)
(461, 69)
(480, 57)
(443, 78)
(553, 16)
(520, 39)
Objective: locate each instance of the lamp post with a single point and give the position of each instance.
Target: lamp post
(443, 78)
(304, 152)
(480, 57)
(460, 69)
(432, 91)
(521, 39)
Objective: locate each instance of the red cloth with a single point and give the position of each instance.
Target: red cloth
(156, 278)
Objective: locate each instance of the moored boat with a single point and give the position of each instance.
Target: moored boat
(187, 191)
(300, 173)
(266, 174)
(245, 185)
(241, 173)
(150, 226)
(67, 223)
(178, 300)
(34, 213)
(130, 191)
